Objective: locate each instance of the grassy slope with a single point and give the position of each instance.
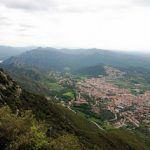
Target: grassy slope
(112, 139)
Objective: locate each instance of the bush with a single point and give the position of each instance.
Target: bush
(21, 131)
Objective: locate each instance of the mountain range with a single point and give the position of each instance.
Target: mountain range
(8, 51)
(57, 59)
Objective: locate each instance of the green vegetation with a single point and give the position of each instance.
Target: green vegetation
(143, 131)
(106, 114)
(65, 142)
(21, 132)
(24, 132)
(92, 71)
(54, 86)
(86, 109)
(69, 94)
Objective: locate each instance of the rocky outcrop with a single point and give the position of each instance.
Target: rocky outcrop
(8, 87)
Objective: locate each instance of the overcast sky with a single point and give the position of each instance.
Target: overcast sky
(107, 24)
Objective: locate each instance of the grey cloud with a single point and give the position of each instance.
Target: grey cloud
(4, 21)
(96, 9)
(2, 18)
(66, 6)
(22, 29)
(30, 5)
(26, 26)
(142, 2)
(25, 35)
(61, 6)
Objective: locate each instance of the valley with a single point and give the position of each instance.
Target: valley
(109, 97)
(101, 99)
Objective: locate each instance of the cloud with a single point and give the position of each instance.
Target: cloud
(2, 18)
(94, 6)
(26, 26)
(72, 6)
(4, 21)
(117, 24)
(24, 35)
(30, 5)
(142, 2)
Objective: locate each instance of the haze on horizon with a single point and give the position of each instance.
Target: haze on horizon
(104, 24)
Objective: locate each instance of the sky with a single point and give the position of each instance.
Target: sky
(104, 24)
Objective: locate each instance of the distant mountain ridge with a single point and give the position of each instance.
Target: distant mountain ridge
(8, 51)
(55, 59)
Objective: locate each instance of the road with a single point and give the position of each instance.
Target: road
(97, 125)
(71, 109)
(90, 120)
